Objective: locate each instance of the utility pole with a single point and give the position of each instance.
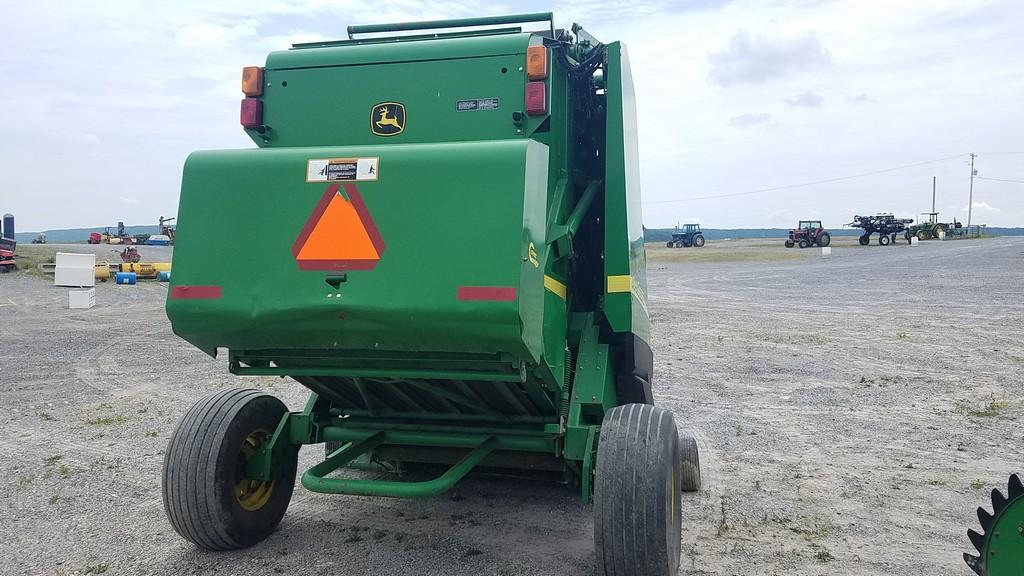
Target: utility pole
(933, 194)
(970, 201)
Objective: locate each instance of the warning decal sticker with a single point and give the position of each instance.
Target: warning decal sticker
(335, 169)
(340, 234)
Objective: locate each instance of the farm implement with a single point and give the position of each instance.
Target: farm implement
(886, 226)
(383, 160)
(7, 248)
(1000, 544)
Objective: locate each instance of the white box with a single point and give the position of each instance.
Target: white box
(913, 240)
(75, 270)
(826, 251)
(84, 299)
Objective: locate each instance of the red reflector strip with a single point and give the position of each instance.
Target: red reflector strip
(195, 292)
(486, 294)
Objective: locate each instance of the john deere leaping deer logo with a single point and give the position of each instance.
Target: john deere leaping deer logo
(387, 119)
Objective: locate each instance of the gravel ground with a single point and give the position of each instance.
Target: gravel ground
(849, 423)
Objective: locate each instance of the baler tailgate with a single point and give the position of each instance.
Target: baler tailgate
(408, 261)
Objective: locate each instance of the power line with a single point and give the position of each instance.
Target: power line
(805, 184)
(1000, 179)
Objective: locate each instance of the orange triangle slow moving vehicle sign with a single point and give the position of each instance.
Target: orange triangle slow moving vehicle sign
(339, 235)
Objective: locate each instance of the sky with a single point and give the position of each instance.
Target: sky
(835, 107)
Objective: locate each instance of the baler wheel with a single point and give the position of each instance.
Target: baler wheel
(207, 496)
(637, 510)
(825, 239)
(690, 455)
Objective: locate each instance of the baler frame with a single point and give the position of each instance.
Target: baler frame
(553, 358)
(569, 434)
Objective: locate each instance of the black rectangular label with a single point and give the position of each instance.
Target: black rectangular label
(477, 104)
(341, 170)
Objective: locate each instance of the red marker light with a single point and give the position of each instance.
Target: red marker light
(252, 112)
(536, 98)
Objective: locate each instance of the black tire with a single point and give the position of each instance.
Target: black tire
(923, 234)
(865, 239)
(883, 239)
(789, 244)
(698, 240)
(203, 465)
(690, 466)
(669, 244)
(825, 239)
(680, 244)
(637, 513)
(804, 243)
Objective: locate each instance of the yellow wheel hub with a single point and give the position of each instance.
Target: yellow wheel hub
(252, 494)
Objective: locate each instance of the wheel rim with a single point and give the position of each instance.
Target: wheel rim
(251, 494)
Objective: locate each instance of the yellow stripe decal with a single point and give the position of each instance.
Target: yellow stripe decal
(555, 286)
(623, 283)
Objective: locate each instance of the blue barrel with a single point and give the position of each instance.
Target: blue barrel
(125, 278)
(8, 226)
(163, 276)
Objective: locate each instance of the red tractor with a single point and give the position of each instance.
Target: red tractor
(808, 233)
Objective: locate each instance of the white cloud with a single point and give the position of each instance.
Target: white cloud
(806, 100)
(756, 58)
(750, 119)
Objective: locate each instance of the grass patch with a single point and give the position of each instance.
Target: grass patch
(993, 409)
(977, 484)
(29, 256)
(107, 421)
(719, 255)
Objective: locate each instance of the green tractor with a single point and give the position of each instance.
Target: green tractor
(381, 160)
(689, 235)
(932, 228)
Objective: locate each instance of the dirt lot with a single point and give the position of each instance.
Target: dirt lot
(850, 423)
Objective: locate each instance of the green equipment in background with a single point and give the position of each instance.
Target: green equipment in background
(440, 236)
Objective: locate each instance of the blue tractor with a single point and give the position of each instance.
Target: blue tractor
(690, 235)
